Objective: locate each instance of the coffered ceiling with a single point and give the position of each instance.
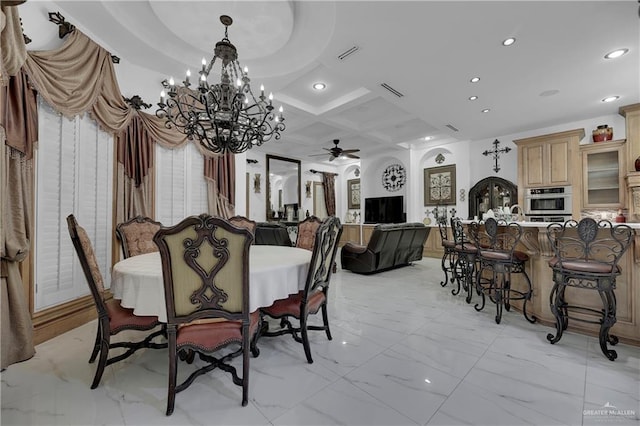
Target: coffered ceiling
(424, 51)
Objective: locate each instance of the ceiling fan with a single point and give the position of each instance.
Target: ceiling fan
(336, 152)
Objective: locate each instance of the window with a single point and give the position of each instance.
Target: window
(74, 174)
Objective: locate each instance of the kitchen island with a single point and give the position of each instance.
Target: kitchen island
(535, 243)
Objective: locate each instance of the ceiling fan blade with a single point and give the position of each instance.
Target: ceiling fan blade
(333, 157)
(317, 155)
(351, 156)
(350, 151)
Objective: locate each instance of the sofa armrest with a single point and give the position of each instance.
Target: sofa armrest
(354, 248)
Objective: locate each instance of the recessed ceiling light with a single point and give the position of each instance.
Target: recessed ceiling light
(473, 98)
(616, 53)
(486, 110)
(319, 86)
(611, 98)
(509, 41)
(475, 79)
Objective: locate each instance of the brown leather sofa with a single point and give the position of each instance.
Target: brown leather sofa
(390, 246)
(272, 234)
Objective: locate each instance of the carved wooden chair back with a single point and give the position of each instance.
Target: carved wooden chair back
(205, 268)
(136, 236)
(244, 222)
(307, 232)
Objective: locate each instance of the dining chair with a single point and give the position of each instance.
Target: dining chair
(205, 269)
(307, 232)
(314, 296)
(112, 318)
(136, 236)
(586, 257)
(244, 222)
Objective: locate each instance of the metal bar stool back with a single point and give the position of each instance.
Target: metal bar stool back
(587, 254)
(464, 267)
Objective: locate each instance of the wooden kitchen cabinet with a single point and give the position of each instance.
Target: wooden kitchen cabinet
(603, 165)
(548, 161)
(350, 232)
(545, 161)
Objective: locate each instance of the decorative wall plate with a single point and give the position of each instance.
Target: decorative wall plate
(393, 177)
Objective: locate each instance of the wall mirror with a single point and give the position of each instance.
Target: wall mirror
(283, 189)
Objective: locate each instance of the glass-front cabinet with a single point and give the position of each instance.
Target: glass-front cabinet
(603, 175)
(491, 193)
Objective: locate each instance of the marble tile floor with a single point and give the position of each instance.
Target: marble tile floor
(404, 352)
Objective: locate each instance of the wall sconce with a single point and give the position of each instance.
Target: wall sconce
(256, 183)
(307, 189)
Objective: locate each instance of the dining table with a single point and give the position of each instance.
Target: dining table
(275, 272)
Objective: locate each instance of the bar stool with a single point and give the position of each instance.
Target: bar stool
(449, 255)
(497, 254)
(586, 257)
(465, 265)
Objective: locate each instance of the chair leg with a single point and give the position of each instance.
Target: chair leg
(96, 345)
(305, 338)
(608, 320)
(173, 371)
(325, 321)
(245, 374)
(444, 268)
(527, 296)
(102, 361)
(104, 351)
(555, 303)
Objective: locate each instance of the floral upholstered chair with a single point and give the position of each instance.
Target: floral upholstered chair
(112, 318)
(136, 236)
(307, 232)
(243, 222)
(313, 298)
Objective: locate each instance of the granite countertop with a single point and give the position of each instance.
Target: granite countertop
(524, 224)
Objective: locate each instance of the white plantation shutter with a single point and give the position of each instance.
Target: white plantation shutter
(74, 169)
(181, 189)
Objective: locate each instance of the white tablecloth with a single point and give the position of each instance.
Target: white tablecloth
(275, 272)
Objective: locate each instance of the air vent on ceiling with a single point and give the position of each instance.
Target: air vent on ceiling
(349, 51)
(452, 128)
(392, 90)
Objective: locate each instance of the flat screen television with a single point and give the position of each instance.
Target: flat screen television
(384, 210)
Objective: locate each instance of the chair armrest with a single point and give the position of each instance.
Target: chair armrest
(354, 248)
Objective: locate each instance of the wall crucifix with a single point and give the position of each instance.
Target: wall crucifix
(496, 154)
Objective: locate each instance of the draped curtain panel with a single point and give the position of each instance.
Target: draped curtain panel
(220, 172)
(19, 135)
(135, 154)
(329, 184)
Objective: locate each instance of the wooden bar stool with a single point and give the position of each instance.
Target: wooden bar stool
(586, 257)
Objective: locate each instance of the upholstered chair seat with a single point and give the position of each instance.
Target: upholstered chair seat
(586, 266)
(211, 336)
(291, 305)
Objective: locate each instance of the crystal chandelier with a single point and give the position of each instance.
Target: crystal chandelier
(226, 116)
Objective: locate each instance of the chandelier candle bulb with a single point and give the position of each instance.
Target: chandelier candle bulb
(262, 90)
(162, 97)
(186, 80)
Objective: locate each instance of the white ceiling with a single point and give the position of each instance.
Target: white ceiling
(554, 73)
